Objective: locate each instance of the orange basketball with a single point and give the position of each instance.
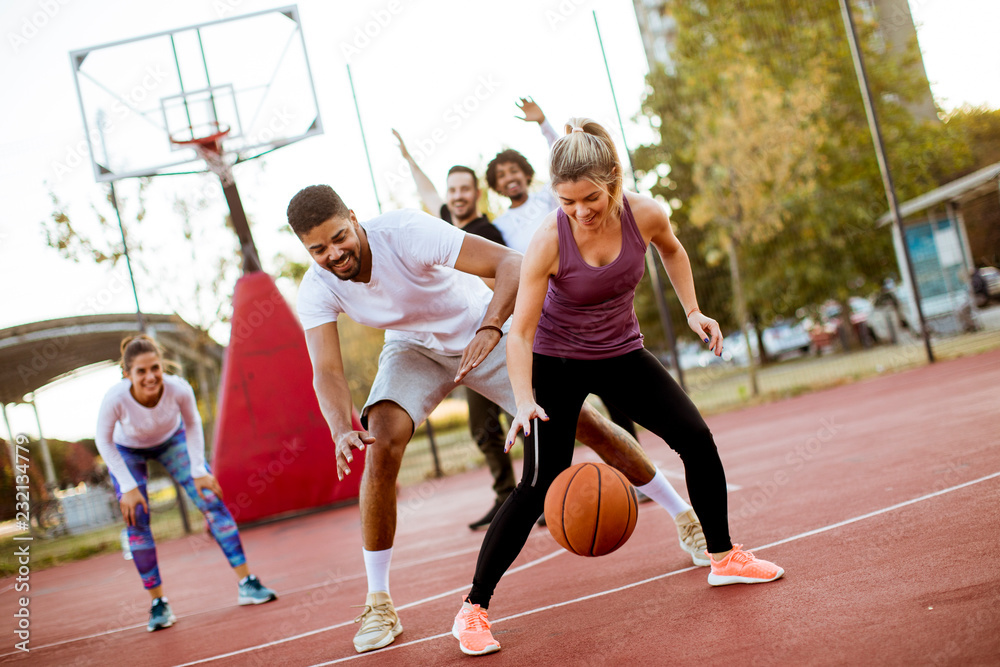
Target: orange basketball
(591, 509)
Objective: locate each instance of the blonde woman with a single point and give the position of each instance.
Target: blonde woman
(575, 332)
(150, 415)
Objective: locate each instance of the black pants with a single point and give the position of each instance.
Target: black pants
(489, 434)
(635, 383)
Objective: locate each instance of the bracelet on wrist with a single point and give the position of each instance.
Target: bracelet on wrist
(692, 312)
(491, 328)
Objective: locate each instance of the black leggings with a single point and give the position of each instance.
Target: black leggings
(636, 384)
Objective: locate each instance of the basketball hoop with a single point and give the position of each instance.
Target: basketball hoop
(206, 140)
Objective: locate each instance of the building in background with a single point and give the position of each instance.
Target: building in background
(659, 32)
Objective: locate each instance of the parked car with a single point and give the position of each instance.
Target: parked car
(784, 337)
(945, 313)
(985, 285)
(734, 348)
(833, 327)
(687, 353)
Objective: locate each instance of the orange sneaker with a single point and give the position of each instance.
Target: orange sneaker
(742, 567)
(472, 630)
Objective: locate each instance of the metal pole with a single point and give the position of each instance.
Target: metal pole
(180, 80)
(11, 452)
(363, 141)
(251, 260)
(883, 165)
(655, 275)
(43, 446)
(434, 450)
(208, 81)
(121, 227)
(128, 260)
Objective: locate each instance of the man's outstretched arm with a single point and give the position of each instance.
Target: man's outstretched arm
(425, 188)
(333, 394)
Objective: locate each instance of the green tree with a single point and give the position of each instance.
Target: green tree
(979, 128)
(199, 286)
(821, 240)
(754, 163)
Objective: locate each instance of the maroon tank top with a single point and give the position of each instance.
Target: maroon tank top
(588, 311)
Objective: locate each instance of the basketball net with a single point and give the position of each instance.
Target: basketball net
(210, 150)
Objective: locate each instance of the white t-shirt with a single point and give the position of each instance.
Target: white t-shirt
(415, 293)
(518, 225)
(124, 421)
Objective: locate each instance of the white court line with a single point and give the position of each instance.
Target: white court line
(531, 564)
(340, 580)
(454, 591)
(793, 538)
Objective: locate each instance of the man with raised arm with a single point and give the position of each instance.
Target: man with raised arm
(509, 174)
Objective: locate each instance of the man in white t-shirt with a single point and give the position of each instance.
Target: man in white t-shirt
(419, 279)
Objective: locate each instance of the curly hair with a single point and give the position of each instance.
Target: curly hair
(312, 206)
(504, 157)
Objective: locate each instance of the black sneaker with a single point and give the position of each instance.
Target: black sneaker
(484, 523)
(160, 615)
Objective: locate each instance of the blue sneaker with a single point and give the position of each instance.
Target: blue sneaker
(254, 592)
(160, 616)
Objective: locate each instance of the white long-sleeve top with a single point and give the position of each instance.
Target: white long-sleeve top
(123, 420)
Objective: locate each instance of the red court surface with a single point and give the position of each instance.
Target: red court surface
(880, 499)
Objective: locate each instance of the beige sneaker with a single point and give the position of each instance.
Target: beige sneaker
(379, 623)
(691, 537)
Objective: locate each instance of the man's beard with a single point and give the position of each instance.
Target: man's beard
(351, 271)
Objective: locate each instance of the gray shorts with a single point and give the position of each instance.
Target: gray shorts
(417, 379)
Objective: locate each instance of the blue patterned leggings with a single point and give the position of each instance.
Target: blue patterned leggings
(174, 457)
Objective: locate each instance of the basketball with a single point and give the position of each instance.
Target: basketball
(591, 509)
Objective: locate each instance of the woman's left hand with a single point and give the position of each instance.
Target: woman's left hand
(708, 330)
(210, 483)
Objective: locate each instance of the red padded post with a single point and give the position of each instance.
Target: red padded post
(273, 452)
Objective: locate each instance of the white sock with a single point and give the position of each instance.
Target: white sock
(377, 568)
(663, 494)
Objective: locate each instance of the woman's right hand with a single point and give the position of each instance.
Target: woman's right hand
(522, 421)
(130, 500)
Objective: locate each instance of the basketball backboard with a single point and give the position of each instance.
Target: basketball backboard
(249, 74)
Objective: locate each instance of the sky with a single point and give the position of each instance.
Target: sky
(428, 63)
